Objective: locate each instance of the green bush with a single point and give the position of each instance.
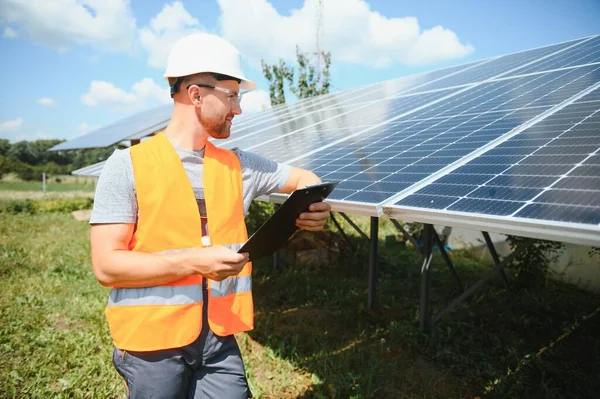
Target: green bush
(59, 205)
(14, 207)
(258, 213)
(532, 266)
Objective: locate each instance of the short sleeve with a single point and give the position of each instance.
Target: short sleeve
(261, 176)
(115, 199)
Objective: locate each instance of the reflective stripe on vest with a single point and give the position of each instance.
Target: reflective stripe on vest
(173, 295)
(231, 285)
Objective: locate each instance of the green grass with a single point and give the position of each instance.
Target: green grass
(70, 184)
(314, 336)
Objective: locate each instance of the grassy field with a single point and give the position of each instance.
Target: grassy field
(13, 189)
(54, 184)
(314, 337)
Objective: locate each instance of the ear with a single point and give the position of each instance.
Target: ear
(194, 95)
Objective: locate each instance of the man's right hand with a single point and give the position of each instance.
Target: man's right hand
(215, 262)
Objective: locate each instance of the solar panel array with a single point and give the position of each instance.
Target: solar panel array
(509, 144)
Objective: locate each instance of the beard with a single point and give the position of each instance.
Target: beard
(217, 130)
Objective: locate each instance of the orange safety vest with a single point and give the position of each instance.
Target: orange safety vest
(170, 315)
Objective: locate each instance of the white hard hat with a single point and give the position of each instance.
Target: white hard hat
(202, 52)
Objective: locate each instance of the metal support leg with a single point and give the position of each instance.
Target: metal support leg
(424, 312)
(337, 225)
(486, 277)
(373, 261)
(366, 237)
(440, 245)
(276, 256)
(406, 235)
(494, 254)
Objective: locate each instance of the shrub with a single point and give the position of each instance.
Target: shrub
(59, 205)
(533, 264)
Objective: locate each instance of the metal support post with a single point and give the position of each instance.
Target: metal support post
(440, 245)
(337, 225)
(366, 237)
(486, 277)
(424, 311)
(276, 255)
(373, 262)
(494, 254)
(406, 235)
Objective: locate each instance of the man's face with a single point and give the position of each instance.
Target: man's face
(219, 108)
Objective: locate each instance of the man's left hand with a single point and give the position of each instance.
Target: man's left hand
(315, 219)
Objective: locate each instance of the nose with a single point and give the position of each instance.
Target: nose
(237, 108)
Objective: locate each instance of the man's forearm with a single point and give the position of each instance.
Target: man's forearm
(123, 268)
(307, 179)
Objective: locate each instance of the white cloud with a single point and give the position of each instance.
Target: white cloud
(11, 125)
(85, 128)
(353, 33)
(10, 33)
(46, 102)
(170, 24)
(143, 93)
(39, 135)
(256, 100)
(60, 24)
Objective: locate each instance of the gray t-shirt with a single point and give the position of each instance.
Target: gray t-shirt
(115, 198)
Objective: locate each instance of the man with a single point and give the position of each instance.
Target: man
(168, 219)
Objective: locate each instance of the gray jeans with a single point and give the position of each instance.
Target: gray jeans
(210, 367)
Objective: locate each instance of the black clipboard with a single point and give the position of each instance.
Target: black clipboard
(278, 228)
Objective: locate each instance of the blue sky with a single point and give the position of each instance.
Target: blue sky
(69, 67)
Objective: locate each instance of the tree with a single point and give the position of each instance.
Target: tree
(276, 74)
(4, 147)
(307, 84)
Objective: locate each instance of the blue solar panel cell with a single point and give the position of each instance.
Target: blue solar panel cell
(561, 213)
(496, 67)
(481, 169)
(428, 201)
(586, 171)
(594, 96)
(488, 207)
(448, 190)
(505, 193)
(546, 89)
(570, 150)
(521, 181)
(552, 159)
(369, 197)
(537, 170)
(579, 183)
(585, 53)
(569, 197)
(146, 122)
(458, 178)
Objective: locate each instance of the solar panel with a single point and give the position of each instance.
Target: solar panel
(585, 53)
(376, 163)
(146, 122)
(91, 170)
(298, 136)
(499, 66)
(549, 172)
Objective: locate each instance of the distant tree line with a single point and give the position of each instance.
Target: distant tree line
(29, 159)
